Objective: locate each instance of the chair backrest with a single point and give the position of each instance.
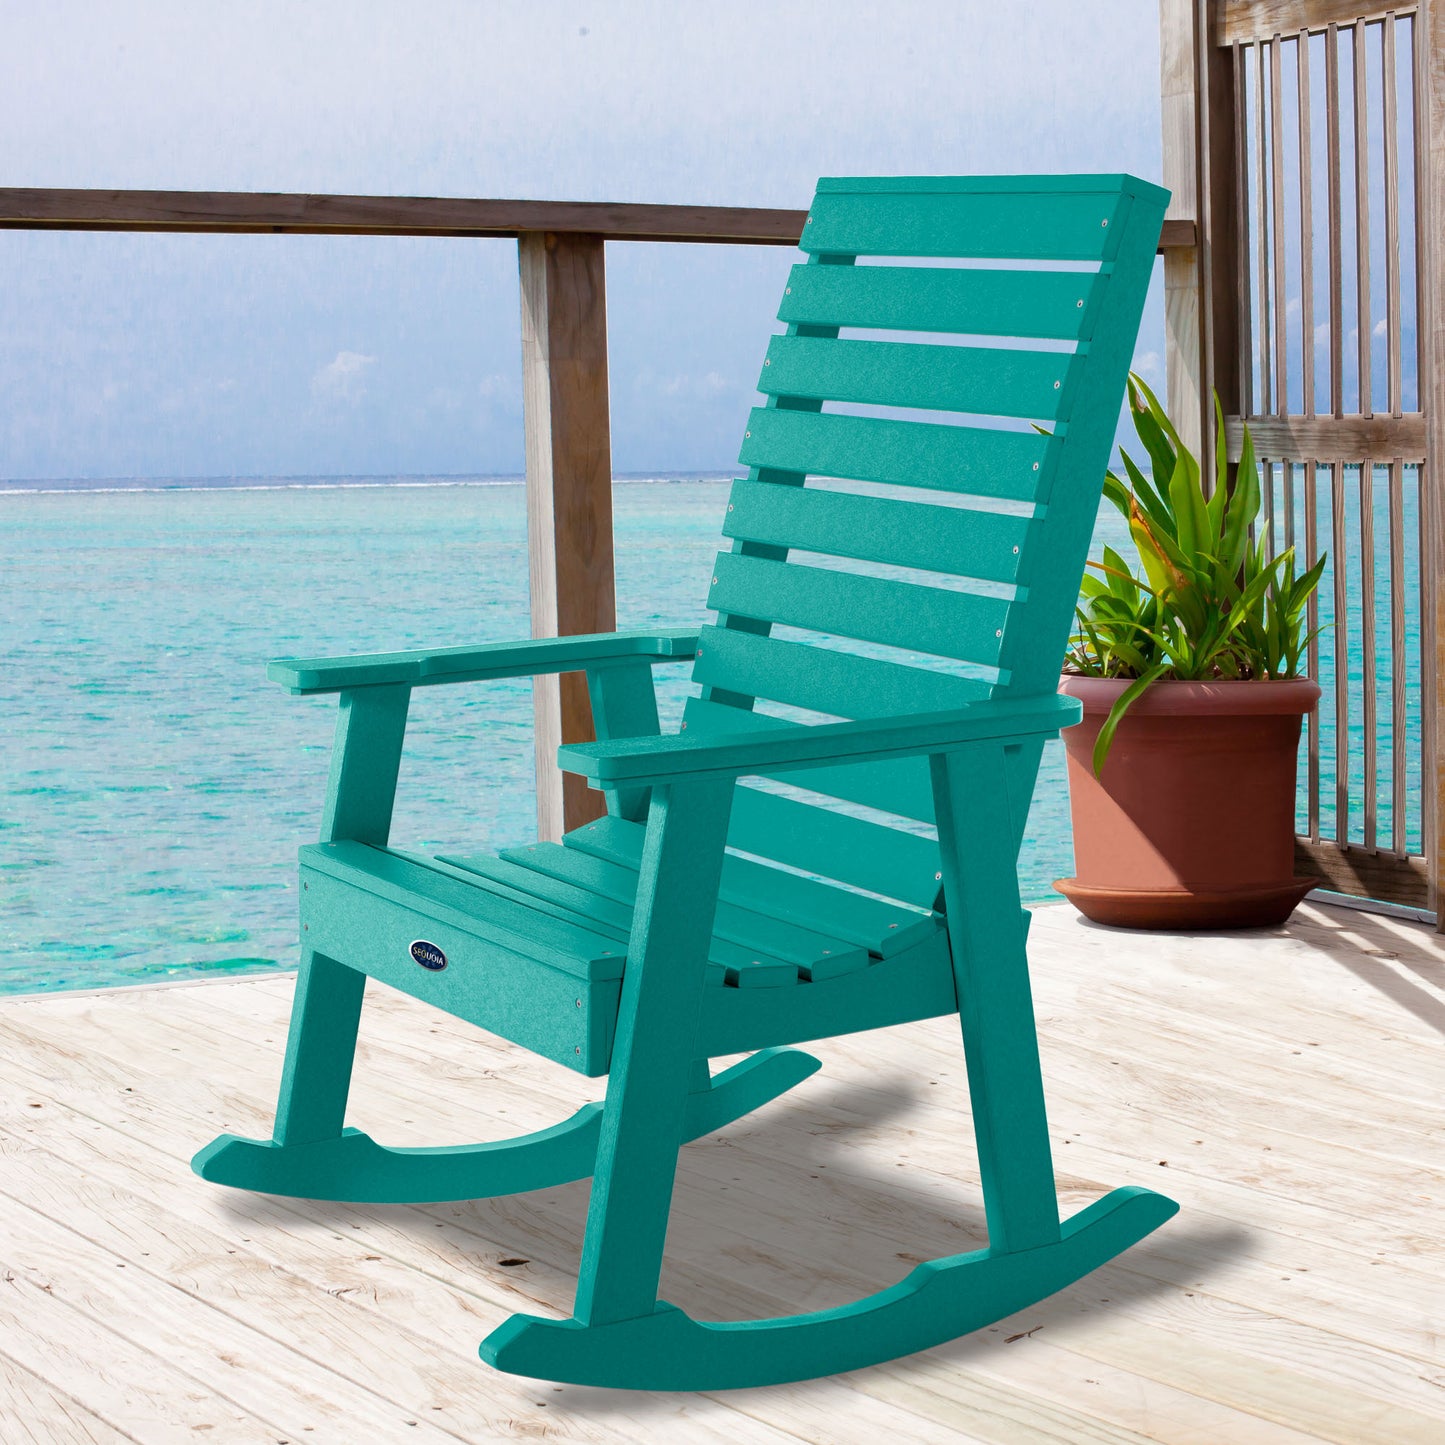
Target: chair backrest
(919, 502)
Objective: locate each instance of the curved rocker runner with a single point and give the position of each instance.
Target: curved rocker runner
(352, 1168)
(706, 916)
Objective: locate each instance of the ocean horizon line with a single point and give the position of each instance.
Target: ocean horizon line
(29, 487)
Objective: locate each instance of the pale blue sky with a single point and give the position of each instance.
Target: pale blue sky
(187, 355)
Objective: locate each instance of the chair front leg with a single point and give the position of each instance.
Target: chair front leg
(326, 1012)
(653, 1056)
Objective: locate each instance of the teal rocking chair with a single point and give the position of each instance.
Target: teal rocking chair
(916, 516)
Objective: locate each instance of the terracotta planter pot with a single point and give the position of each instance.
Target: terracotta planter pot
(1192, 824)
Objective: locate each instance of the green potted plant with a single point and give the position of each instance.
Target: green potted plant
(1182, 772)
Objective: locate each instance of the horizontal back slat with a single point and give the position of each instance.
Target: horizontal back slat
(1086, 247)
(959, 625)
(986, 545)
(833, 845)
(842, 684)
(1006, 223)
(1052, 304)
(973, 461)
(989, 381)
(899, 786)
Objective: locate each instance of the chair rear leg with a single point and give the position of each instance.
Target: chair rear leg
(987, 932)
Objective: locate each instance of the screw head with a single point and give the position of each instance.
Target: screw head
(1057, 385)
(747, 433)
(1104, 222)
(787, 290)
(1079, 302)
(938, 877)
(1016, 551)
(767, 361)
(1036, 466)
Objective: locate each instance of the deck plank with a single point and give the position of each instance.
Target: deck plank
(1295, 1298)
(36, 1413)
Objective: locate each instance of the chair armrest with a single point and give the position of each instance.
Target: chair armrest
(425, 668)
(674, 758)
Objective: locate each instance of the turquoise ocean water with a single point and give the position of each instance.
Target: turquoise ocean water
(154, 786)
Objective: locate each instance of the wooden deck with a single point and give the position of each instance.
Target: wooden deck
(1285, 1088)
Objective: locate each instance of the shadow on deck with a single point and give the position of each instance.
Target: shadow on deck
(1283, 1086)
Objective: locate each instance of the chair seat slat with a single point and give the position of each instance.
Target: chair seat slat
(1041, 304)
(985, 545)
(425, 884)
(970, 461)
(961, 625)
(727, 961)
(986, 380)
(751, 939)
(883, 928)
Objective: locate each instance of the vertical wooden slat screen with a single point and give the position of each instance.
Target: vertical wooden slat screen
(1263, 206)
(1312, 622)
(1428, 113)
(1365, 823)
(1337, 297)
(1392, 215)
(1363, 320)
(1288, 491)
(1367, 668)
(1307, 233)
(1276, 174)
(1241, 201)
(1399, 838)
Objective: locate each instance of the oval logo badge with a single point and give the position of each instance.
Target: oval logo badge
(428, 955)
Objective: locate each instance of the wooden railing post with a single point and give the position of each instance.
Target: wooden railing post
(569, 492)
(1181, 117)
(1200, 306)
(1429, 44)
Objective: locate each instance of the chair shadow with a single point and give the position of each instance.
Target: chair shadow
(783, 1258)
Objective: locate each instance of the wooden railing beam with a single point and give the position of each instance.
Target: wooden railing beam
(1243, 22)
(270, 213)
